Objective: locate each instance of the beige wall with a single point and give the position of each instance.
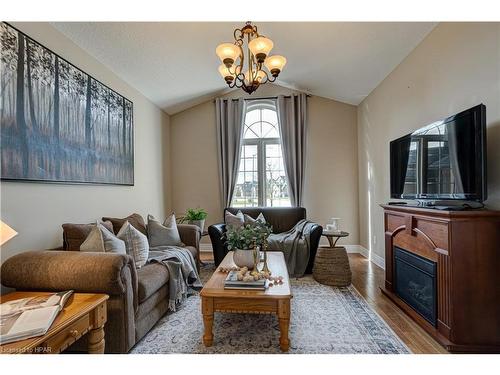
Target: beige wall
(37, 210)
(454, 68)
(331, 172)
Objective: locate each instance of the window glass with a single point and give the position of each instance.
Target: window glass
(261, 176)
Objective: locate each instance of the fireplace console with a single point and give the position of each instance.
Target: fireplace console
(443, 270)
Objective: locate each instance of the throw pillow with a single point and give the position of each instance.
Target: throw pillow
(75, 234)
(136, 243)
(163, 235)
(135, 220)
(251, 220)
(102, 240)
(236, 221)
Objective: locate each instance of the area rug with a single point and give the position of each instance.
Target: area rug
(324, 319)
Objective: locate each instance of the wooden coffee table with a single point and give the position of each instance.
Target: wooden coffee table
(274, 300)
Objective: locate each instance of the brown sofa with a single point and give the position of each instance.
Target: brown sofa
(138, 298)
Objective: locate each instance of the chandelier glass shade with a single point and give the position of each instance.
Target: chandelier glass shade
(247, 70)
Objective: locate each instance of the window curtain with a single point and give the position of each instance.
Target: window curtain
(292, 119)
(229, 119)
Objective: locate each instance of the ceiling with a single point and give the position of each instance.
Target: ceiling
(175, 66)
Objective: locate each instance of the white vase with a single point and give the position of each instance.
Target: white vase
(244, 258)
(199, 223)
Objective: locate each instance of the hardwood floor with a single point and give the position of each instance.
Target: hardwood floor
(366, 278)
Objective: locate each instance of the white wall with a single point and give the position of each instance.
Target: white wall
(331, 172)
(454, 68)
(37, 210)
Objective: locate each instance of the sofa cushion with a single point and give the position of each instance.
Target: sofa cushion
(251, 220)
(101, 240)
(235, 220)
(75, 234)
(150, 278)
(163, 235)
(136, 243)
(135, 220)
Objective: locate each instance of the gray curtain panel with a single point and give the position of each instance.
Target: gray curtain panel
(292, 118)
(229, 118)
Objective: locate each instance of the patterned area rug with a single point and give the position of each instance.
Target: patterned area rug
(324, 320)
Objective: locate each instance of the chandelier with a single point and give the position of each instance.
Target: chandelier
(234, 60)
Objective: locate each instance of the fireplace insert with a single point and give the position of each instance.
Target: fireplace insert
(415, 283)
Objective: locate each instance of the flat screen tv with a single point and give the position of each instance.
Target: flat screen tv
(445, 160)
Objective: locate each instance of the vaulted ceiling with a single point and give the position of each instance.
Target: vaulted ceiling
(175, 66)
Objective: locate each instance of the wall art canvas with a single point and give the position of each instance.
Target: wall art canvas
(59, 124)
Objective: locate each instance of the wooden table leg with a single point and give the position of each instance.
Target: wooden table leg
(207, 309)
(96, 341)
(284, 320)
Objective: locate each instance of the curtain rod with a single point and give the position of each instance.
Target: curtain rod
(265, 98)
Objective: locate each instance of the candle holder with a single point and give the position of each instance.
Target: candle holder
(265, 269)
(256, 257)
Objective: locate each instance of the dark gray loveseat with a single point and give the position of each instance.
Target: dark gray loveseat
(282, 219)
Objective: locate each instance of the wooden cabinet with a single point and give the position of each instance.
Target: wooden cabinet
(466, 247)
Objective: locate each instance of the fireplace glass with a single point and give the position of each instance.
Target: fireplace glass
(415, 282)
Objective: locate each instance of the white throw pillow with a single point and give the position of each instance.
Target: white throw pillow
(251, 220)
(163, 235)
(235, 221)
(102, 240)
(136, 243)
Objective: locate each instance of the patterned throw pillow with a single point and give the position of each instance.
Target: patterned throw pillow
(102, 240)
(163, 235)
(236, 221)
(251, 220)
(136, 243)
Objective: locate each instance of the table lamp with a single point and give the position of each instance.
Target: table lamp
(6, 233)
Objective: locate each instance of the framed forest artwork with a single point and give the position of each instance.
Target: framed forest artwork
(59, 124)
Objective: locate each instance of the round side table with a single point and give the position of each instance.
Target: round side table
(334, 235)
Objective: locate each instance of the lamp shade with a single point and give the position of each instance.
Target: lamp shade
(259, 76)
(275, 62)
(6, 233)
(227, 51)
(261, 45)
(226, 72)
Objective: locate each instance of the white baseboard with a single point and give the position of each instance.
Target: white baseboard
(205, 247)
(374, 258)
(356, 249)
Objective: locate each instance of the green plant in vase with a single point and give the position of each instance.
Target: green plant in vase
(195, 216)
(244, 241)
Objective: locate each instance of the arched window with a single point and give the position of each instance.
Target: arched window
(261, 175)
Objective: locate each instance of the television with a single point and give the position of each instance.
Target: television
(445, 160)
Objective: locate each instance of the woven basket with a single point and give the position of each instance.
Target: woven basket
(331, 266)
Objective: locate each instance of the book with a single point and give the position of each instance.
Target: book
(30, 317)
(232, 282)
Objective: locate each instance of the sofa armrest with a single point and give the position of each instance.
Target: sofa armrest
(216, 232)
(190, 235)
(89, 272)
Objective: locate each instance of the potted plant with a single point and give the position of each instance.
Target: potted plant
(244, 240)
(196, 216)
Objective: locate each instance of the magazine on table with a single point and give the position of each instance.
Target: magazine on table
(29, 317)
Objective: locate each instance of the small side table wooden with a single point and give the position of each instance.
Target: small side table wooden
(84, 313)
(334, 235)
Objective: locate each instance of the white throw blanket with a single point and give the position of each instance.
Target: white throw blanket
(183, 276)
